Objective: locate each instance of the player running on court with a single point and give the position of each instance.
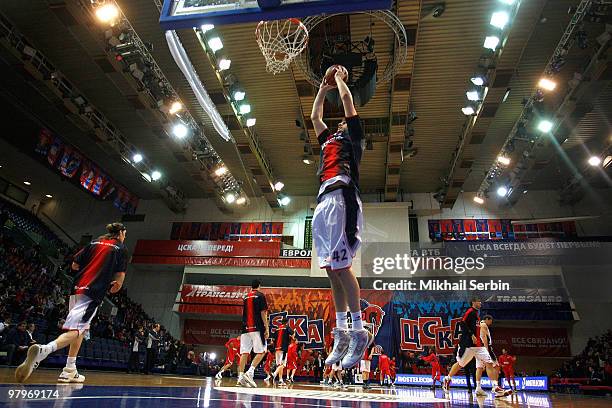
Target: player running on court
(233, 350)
(473, 345)
(436, 370)
(284, 336)
(337, 220)
(100, 267)
(255, 331)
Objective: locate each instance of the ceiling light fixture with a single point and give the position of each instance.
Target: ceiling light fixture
(137, 158)
(472, 96)
(48, 196)
(547, 84)
(284, 201)
(491, 42)
(180, 130)
(503, 160)
(230, 198)
(27, 183)
(499, 19)
(468, 110)
(241, 200)
(478, 200)
(278, 186)
(206, 27)
(251, 122)
(478, 80)
(594, 161)
(239, 95)
(107, 13)
(215, 44)
(545, 126)
(244, 108)
(175, 107)
(156, 175)
(502, 191)
(221, 171)
(224, 63)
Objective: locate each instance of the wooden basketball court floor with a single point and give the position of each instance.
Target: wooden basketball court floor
(106, 389)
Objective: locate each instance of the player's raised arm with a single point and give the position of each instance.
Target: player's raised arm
(317, 108)
(345, 94)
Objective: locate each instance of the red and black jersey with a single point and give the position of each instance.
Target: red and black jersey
(341, 152)
(98, 263)
(283, 337)
(254, 304)
(471, 326)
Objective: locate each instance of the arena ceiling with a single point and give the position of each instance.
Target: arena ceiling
(443, 54)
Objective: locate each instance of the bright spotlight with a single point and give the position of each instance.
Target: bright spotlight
(215, 44)
(594, 161)
(241, 201)
(224, 63)
(175, 107)
(545, 126)
(207, 27)
(278, 186)
(48, 196)
(230, 198)
(156, 175)
(107, 13)
(239, 95)
(503, 160)
(137, 158)
(27, 183)
(547, 84)
(472, 95)
(179, 130)
(502, 191)
(251, 122)
(478, 80)
(147, 177)
(284, 201)
(491, 42)
(499, 19)
(468, 110)
(306, 160)
(478, 200)
(244, 109)
(213, 356)
(508, 2)
(221, 171)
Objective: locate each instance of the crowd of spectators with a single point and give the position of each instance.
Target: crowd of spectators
(593, 363)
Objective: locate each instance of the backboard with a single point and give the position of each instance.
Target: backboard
(178, 14)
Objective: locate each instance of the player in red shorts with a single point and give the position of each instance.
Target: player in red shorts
(436, 370)
(392, 369)
(507, 362)
(233, 347)
(268, 363)
(384, 365)
(292, 360)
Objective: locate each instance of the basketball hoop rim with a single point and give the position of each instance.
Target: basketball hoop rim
(294, 20)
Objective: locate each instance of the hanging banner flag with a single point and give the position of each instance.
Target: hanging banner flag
(70, 162)
(54, 151)
(45, 138)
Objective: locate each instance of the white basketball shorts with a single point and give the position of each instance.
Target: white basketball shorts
(81, 311)
(481, 354)
(281, 358)
(251, 341)
(336, 227)
(365, 366)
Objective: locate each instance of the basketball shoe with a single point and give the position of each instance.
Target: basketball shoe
(342, 340)
(359, 340)
(70, 375)
(30, 364)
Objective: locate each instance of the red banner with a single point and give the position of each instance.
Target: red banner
(210, 332)
(541, 342)
(227, 231)
(217, 261)
(224, 249)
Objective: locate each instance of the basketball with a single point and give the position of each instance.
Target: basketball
(331, 73)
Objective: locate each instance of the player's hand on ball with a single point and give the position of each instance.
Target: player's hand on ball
(325, 86)
(115, 286)
(341, 74)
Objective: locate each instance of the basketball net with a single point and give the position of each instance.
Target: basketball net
(280, 41)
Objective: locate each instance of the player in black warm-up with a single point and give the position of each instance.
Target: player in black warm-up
(99, 266)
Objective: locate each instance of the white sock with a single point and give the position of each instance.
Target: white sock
(251, 371)
(341, 320)
(71, 362)
(356, 319)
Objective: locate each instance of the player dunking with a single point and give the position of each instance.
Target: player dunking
(337, 220)
(100, 265)
(473, 345)
(255, 331)
(233, 349)
(507, 362)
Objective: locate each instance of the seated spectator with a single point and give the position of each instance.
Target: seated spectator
(21, 340)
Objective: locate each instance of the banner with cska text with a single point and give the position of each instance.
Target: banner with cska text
(401, 321)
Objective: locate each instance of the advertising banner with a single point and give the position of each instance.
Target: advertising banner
(497, 230)
(226, 249)
(400, 320)
(210, 332)
(522, 383)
